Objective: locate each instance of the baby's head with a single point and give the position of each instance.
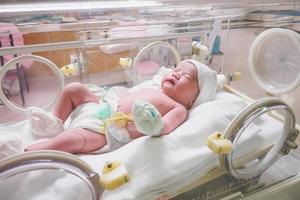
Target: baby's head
(190, 83)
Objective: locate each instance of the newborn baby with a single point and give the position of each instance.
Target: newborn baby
(189, 84)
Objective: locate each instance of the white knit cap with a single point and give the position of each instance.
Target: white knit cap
(207, 81)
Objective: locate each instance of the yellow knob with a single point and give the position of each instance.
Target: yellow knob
(68, 70)
(125, 62)
(110, 165)
(114, 175)
(236, 76)
(218, 144)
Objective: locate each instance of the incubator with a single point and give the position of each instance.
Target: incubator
(240, 145)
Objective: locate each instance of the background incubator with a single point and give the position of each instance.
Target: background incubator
(87, 41)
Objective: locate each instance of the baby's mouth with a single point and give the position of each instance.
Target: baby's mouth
(171, 81)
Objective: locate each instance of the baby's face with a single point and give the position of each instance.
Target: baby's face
(182, 84)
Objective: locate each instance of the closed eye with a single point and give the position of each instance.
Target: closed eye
(187, 75)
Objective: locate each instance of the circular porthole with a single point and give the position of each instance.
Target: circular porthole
(150, 58)
(258, 138)
(48, 175)
(37, 85)
(274, 60)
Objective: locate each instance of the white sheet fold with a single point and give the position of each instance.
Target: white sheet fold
(10, 146)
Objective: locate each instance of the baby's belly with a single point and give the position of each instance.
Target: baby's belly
(125, 104)
(125, 107)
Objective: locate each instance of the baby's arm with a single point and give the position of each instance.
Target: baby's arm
(173, 118)
(148, 120)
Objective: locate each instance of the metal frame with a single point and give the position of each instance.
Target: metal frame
(244, 119)
(54, 160)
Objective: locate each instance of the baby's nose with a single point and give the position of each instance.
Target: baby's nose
(176, 75)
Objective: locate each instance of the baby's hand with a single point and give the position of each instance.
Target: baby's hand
(147, 118)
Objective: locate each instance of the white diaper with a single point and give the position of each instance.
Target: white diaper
(116, 138)
(87, 116)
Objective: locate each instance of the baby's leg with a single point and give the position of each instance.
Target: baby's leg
(72, 96)
(77, 140)
(45, 124)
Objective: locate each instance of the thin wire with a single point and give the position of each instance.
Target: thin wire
(225, 50)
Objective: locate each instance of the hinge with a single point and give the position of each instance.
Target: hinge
(290, 142)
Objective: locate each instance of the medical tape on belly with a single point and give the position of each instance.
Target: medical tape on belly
(106, 115)
(119, 119)
(114, 127)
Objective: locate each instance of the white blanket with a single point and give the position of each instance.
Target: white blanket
(156, 166)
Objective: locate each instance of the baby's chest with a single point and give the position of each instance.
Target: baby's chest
(156, 98)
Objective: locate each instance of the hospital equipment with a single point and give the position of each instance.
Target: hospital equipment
(178, 166)
(16, 81)
(218, 144)
(114, 175)
(12, 63)
(274, 60)
(69, 70)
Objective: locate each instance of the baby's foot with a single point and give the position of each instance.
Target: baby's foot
(43, 123)
(10, 147)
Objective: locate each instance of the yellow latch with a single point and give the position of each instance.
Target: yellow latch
(125, 62)
(218, 144)
(236, 76)
(68, 70)
(114, 175)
